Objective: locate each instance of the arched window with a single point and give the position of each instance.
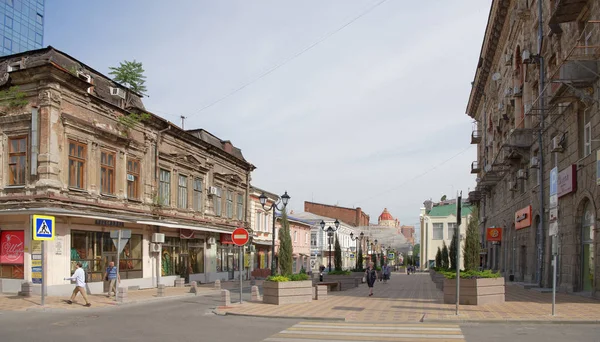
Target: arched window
(587, 240)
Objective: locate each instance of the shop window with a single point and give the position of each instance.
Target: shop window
(170, 256)
(182, 192)
(198, 194)
(107, 172)
(182, 256)
(77, 158)
(227, 258)
(164, 187)
(133, 178)
(96, 249)
(17, 160)
(12, 248)
(229, 204)
(240, 207)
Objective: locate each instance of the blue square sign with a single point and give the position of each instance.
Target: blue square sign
(43, 227)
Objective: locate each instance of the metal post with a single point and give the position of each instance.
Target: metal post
(554, 252)
(541, 86)
(457, 231)
(118, 260)
(329, 240)
(44, 282)
(273, 244)
(241, 267)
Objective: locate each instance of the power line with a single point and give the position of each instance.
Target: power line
(296, 55)
(418, 176)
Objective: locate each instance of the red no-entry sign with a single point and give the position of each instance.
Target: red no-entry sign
(240, 236)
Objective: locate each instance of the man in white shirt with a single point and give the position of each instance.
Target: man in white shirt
(79, 277)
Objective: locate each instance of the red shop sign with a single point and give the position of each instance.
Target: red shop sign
(226, 239)
(12, 247)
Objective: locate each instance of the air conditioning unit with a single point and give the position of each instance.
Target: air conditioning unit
(212, 190)
(158, 238)
(117, 92)
(211, 241)
(130, 177)
(84, 77)
(517, 91)
(155, 248)
(488, 168)
(527, 108)
(501, 105)
(512, 186)
(521, 174)
(556, 144)
(508, 91)
(534, 163)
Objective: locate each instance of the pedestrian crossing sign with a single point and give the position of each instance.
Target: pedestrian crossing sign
(43, 227)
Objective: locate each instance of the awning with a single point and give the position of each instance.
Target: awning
(262, 243)
(61, 212)
(183, 226)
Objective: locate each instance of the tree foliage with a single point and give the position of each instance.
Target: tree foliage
(13, 98)
(472, 246)
(453, 249)
(130, 74)
(285, 246)
(360, 261)
(445, 263)
(438, 258)
(337, 255)
(443, 198)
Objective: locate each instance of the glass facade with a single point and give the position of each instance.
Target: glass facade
(21, 25)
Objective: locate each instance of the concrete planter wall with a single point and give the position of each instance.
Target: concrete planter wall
(346, 281)
(287, 292)
(475, 291)
(439, 279)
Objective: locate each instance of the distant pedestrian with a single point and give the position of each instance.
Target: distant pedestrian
(385, 270)
(112, 277)
(79, 277)
(371, 275)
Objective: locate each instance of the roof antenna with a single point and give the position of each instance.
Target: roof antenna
(183, 120)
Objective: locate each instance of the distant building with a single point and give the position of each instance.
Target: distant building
(386, 219)
(353, 216)
(22, 26)
(409, 233)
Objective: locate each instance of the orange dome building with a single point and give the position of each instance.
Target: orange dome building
(386, 219)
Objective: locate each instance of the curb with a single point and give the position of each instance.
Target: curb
(330, 319)
(510, 321)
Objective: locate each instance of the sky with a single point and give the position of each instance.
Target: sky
(366, 112)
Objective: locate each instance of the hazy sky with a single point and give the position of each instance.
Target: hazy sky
(373, 116)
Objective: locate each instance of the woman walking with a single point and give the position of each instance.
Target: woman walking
(371, 276)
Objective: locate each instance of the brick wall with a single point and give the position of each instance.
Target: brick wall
(355, 217)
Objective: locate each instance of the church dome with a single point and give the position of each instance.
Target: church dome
(386, 216)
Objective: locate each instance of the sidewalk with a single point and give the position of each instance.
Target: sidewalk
(16, 303)
(414, 298)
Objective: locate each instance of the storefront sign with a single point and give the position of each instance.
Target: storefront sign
(58, 245)
(494, 234)
(36, 247)
(226, 239)
(567, 180)
(523, 218)
(553, 214)
(107, 223)
(12, 247)
(553, 228)
(553, 201)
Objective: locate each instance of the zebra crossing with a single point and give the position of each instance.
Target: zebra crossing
(365, 332)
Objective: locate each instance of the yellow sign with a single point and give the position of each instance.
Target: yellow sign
(36, 247)
(43, 227)
(36, 263)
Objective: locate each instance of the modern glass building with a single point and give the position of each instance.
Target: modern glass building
(21, 25)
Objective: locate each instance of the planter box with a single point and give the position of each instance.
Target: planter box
(439, 279)
(346, 281)
(287, 292)
(475, 291)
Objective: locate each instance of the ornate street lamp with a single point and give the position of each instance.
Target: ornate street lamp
(285, 198)
(330, 230)
(358, 244)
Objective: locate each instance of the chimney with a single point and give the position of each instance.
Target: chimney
(358, 216)
(227, 146)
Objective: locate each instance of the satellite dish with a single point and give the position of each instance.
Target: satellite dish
(496, 76)
(525, 55)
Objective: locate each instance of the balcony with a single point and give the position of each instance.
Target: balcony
(475, 167)
(520, 138)
(566, 11)
(475, 196)
(476, 136)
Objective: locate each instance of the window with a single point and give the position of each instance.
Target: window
(229, 204)
(451, 230)
(164, 187)
(258, 221)
(198, 194)
(77, 156)
(584, 132)
(107, 172)
(182, 192)
(295, 236)
(266, 224)
(240, 207)
(305, 238)
(587, 139)
(39, 18)
(313, 240)
(438, 231)
(17, 160)
(217, 201)
(133, 179)
(174, 250)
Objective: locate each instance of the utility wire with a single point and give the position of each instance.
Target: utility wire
(418, 176)
(289, 59)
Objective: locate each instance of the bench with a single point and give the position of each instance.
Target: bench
(331, 285)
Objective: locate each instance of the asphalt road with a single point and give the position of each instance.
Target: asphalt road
(475, 332)
(186, 319)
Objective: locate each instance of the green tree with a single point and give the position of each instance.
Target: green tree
(438, 258)
(359, 267)
(285, 246)
(445, 263)
(416, 250)
(130, 74)
(337, 256)
(453, 249)
(472, 246)
(443, 198)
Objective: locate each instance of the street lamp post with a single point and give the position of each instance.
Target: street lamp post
(330, 231)
(263, 201)
(360, 237)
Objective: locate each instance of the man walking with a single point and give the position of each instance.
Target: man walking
(111, 276)
(79, 277)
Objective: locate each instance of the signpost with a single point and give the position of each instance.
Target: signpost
(43, 229)
(240, 237)
(118, 236)
(553, 229)
(458, 222)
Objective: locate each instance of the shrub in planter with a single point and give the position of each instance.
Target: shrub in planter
(476, 287)
(340, 273)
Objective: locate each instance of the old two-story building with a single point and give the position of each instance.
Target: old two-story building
(78, 146)
(534, 100)
(300, 235)
(261, 222)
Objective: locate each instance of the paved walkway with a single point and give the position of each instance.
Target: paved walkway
(414, 298)
(17, 303)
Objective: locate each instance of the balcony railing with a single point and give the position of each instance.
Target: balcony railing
(475, 167)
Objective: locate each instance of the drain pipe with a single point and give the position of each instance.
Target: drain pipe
(541, 86)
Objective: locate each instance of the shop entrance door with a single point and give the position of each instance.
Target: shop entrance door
(184, 267)
(523, 259)
(231, 265)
